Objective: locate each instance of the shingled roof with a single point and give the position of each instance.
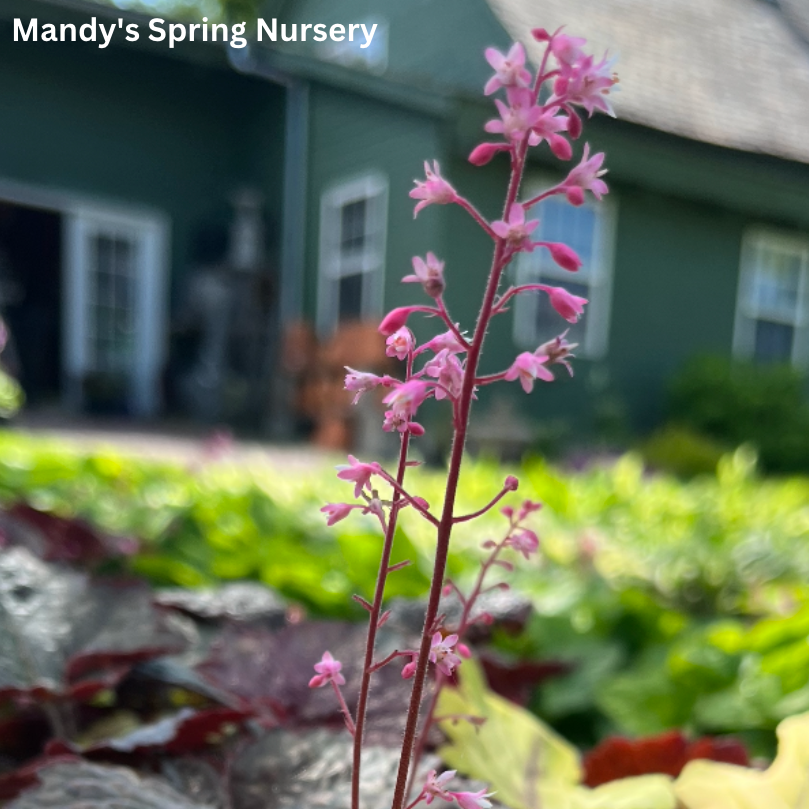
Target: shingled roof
(728, 72)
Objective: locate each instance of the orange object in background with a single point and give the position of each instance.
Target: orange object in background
(318, 370)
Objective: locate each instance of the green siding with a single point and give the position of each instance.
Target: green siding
(351, 136)
(139, 128)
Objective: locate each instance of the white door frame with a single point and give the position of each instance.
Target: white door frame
(79, 214)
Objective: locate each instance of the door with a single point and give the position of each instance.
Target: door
(115, 310)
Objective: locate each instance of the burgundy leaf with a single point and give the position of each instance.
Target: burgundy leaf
(13, 783)
(59, 539)
(269, 672)
(665, 753)
(188, 731)
(81, 785)
(516, 681)
(65, 634)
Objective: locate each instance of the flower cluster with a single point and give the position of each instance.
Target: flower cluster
(534, 108)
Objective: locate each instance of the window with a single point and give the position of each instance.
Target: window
(353, 219)
(772, 313)
(588, 229)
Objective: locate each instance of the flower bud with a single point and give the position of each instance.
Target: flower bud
(409, 670)
(566, 257)
(512, 484)
(483, 154)
(541, 35)
(574, 125)
(395, 319)
(560, 147)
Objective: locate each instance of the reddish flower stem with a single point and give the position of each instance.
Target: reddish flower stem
(373, 620)
(499, 261)
(344, 708)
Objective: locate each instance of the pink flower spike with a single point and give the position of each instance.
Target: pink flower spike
(434, 190)
(337, 511)
(509, 69)
(442, 653)
(569, 306)
(527, 368)
(586, 177)
(359, 473)
(434, 786)
(473, 800)
(516, 231)
(429, 273)
(485, 152)
(525, 542)
(328, 670)
(400, 343)
(566, 257)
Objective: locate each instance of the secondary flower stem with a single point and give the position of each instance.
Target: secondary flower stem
(447, 518)
(344, 708)
(373, 620)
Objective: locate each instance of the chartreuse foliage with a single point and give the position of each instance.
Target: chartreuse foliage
(679, 604)
(529, 765)
(524, 761)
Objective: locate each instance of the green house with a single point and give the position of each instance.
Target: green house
(116, 162)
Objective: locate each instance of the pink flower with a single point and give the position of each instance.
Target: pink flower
(434, 786)
(557, 351)
(528, 367)
(567, 50)
(400, 343)
(442, 654)
(360, 382)
(337, 512)
(473, 800)
(586, 177)
(359, 473)
(569, 306)
(447, 369)
(446, 341)
(525, 541)
(328, 671)
(509, 69)
(517, 118)
(483, 154)
(516, 231)
(404, 401)
(406, 398)
(429, 273)
(396, 318)
(587, 85)
(566, 257)
(546, 128)
(434, 190)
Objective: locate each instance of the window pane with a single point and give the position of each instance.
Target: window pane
(562, 222)
(776, 282)
(549, 323)
(350, 297)
(773, 341)
(352, 226)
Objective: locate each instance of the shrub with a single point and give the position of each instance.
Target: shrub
(740, 402)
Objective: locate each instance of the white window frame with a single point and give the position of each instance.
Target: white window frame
(596, 317)
(373, 188)
(748, 311)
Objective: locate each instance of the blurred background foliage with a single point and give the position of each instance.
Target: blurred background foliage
(235, 10)
(677, 603)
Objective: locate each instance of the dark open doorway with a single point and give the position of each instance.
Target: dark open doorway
(30, 298)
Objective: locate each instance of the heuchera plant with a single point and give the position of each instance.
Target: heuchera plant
(566, 78)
